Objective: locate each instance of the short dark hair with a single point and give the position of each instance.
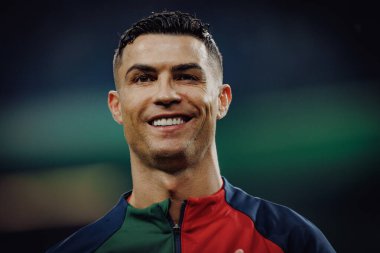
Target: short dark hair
(170, 22)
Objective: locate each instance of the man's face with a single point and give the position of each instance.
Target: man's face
(168, 99)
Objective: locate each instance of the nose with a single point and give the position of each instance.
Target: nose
(166, 94)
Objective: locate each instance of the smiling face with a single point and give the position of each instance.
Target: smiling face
(168, 100)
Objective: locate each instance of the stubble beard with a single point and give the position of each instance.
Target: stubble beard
(172, 162)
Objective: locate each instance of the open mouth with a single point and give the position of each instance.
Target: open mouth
(169, 121)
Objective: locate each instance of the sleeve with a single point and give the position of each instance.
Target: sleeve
(308, 239)
(90, 237)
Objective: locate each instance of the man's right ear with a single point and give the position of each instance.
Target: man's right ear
(115, 106)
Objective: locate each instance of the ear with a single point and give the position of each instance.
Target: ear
(115, 106)
(224, 100)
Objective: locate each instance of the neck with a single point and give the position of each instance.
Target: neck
(151, 185)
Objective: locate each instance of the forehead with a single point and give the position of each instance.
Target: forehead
(162, 50)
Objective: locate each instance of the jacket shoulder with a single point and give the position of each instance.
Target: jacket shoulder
(92, 236)
(289, 230)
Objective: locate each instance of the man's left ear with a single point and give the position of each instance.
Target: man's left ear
(224, 100)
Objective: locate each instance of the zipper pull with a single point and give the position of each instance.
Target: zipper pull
(176, 228)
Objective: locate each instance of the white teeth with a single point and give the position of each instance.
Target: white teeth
(168, 121)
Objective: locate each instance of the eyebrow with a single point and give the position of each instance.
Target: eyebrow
(186, 66)
(141, 67)
(177, 68)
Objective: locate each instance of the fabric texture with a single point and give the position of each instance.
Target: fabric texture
(226, 221)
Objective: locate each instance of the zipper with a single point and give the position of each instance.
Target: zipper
(177, 228)
(177, 238)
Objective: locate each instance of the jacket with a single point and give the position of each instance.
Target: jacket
(226, 221)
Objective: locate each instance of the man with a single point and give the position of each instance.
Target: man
(169, 96)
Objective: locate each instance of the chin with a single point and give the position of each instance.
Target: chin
(171, 161)
(168, 150)
(169, 154)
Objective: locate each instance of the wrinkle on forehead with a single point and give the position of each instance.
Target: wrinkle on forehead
(159, 49)
(166, 50)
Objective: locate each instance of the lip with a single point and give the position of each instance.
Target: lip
(186, 117)
(170, 130)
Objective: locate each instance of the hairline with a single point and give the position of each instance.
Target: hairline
(212, 57)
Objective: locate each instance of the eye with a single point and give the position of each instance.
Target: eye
(186, 77)
(143, 78)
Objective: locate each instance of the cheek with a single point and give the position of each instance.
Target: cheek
(132, 101)
(211, 104)
(209, 110)
(129, 112)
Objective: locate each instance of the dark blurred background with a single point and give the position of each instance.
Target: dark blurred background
(303, 127)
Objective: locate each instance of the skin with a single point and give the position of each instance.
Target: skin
(165, 75)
